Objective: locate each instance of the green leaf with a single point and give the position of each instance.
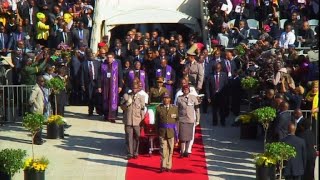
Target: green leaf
(11, 160)
(33, 122)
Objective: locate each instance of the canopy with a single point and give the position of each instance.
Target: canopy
(122, 12)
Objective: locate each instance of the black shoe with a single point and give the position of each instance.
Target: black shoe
(135, 157)
(66, 126)
(186, 155)
(181, 155)
(66, 134)
(161, 170)
(168, 170)
(39, 142)
(129, 157)
(90, 114)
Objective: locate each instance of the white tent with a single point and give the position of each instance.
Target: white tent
(110, 13)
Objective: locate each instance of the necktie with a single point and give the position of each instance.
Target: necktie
(228, 66)
(81, 34)
(2, 40)
(90, 70)
(217, 82)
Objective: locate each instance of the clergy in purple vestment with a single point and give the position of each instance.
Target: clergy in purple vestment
(111, 77)
(140, 74)
(168, 74)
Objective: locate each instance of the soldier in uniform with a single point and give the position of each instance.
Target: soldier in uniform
(133, 106)
(166, 118)
(189, 116)
(157, 92)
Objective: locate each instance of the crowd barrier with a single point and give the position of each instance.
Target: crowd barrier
(13, 102)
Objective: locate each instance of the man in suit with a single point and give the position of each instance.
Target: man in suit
(298, 120)
(90, 81)
(215, 90)
(80, 36)
(295, 166)
(196, 72)
(64, 37)
(32, 11)
(120, 51)
(165, 120)
(17, 36)
(307, 134)
(133, 106)
(4, 40)
(23, 9)
(37, 101)
(281, 122)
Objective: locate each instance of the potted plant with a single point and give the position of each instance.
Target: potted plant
(248, 126)
(55, 127)
(11, 161)
(56, 84)
(265, 166)
(281, 152)
(34, 169)
(265, 115)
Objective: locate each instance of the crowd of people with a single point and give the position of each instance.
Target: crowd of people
(270, 15)
(179, 73)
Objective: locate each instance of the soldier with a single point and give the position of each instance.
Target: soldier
(189, 116)
(157, 92)
(133, 106)
(166, 118)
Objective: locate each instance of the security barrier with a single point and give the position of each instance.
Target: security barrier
(13, 102)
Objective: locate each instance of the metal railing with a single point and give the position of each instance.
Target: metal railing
(13, 102)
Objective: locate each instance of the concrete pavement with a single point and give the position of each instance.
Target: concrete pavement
(95, 149)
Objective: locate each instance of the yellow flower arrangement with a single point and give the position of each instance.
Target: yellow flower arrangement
(55, 119)
(40, 164)
(264, 160)
(245, 118)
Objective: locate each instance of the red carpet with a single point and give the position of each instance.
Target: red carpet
(192, 168)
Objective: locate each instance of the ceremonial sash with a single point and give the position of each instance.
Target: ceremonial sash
(167, 77)
(141, 78)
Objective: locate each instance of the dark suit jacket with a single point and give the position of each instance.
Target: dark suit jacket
(281, 124)
(60, 38)
(298, 126)
(211, 84)
(13, 42)
(23, 9)
(310, 142)
(232, 64)
(6, 41)
(296, 166)
(76, 38)
(89, 84)
(123, 53)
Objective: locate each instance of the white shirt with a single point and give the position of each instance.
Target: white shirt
(286, 39)
(146, 96)
(179, 93)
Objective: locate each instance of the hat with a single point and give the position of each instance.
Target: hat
(41, 15)
(266, 28)
(160, 79)
(166, 95)
(192, 49)
(185, 87)
(101, 44)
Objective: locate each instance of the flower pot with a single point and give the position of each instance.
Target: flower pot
(61, 131)
(34, 175)
(53, 131)
(4, 176)
(265, 173)
(248, 131)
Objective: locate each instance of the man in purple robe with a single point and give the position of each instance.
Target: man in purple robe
(111, 82)
(139, 74)
(168, 74)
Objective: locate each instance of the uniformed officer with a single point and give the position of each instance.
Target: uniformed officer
(189, 116)
(157, 92)
(166, 118)
(133, 106)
